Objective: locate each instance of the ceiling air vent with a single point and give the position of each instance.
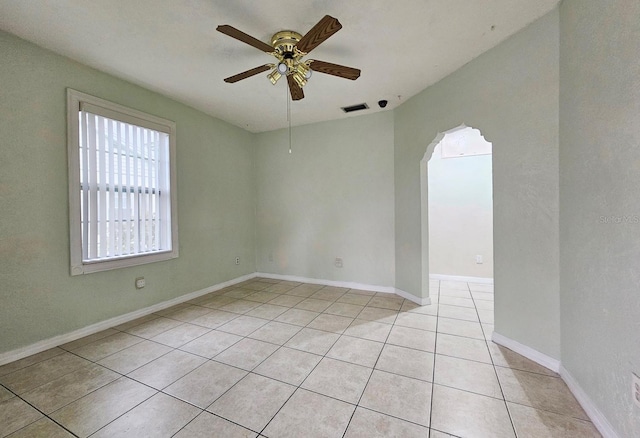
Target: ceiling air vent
(352, 108)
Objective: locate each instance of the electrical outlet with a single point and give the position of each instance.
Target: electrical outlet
(140, 283)
(270, 257)
(237, 260)
(338, 262)
(478, 259)
(635, 389)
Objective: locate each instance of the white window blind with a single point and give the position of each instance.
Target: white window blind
(124, 187)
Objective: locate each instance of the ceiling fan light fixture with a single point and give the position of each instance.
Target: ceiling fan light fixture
(303, 70)
(282, 68)
(300, 79)
(274, 76)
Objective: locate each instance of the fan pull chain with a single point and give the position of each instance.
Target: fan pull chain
(286, 89)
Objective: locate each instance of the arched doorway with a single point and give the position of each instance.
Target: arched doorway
(457, 208)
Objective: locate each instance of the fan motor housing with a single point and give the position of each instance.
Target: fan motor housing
(285, 40)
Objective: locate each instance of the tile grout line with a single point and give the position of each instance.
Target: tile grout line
(303, 380)
(91, 392)
(64, 375)
(129, 410)
(43, 416)
(232, 386)
(161, 391)
(250, 371)
(504, 398)
(491, 358)
(126, 376)
(435, 351)
(372, 371)
(341, 334)
(16, 395)
(158, 391)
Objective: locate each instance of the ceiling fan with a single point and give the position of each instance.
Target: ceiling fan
(289, 47)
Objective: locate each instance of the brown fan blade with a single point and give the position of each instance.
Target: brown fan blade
(241, 36)
(248, 73)
(318, 33)
(294, 89)
(335, 69)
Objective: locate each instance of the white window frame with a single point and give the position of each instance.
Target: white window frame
(118, 112)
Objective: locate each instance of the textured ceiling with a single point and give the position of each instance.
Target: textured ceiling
(172, 47)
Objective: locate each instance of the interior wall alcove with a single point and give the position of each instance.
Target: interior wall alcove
(424, 195)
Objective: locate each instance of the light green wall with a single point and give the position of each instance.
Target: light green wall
(215, 201)
(510, 94)
(351, 188)
(460, 215)
(600, 202)
(332, 197)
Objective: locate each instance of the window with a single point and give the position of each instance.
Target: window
(122, 186)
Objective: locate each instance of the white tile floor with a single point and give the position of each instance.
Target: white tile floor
(280, 359)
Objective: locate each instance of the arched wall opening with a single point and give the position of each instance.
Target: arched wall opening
(457, 208)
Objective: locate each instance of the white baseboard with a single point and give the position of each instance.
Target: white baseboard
(384, 289)
(482, 280)
(55, 341)
(597, 418)
(347, 284)
(421, 301)
(528, 352)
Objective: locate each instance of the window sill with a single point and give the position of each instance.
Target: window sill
(107, 265)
